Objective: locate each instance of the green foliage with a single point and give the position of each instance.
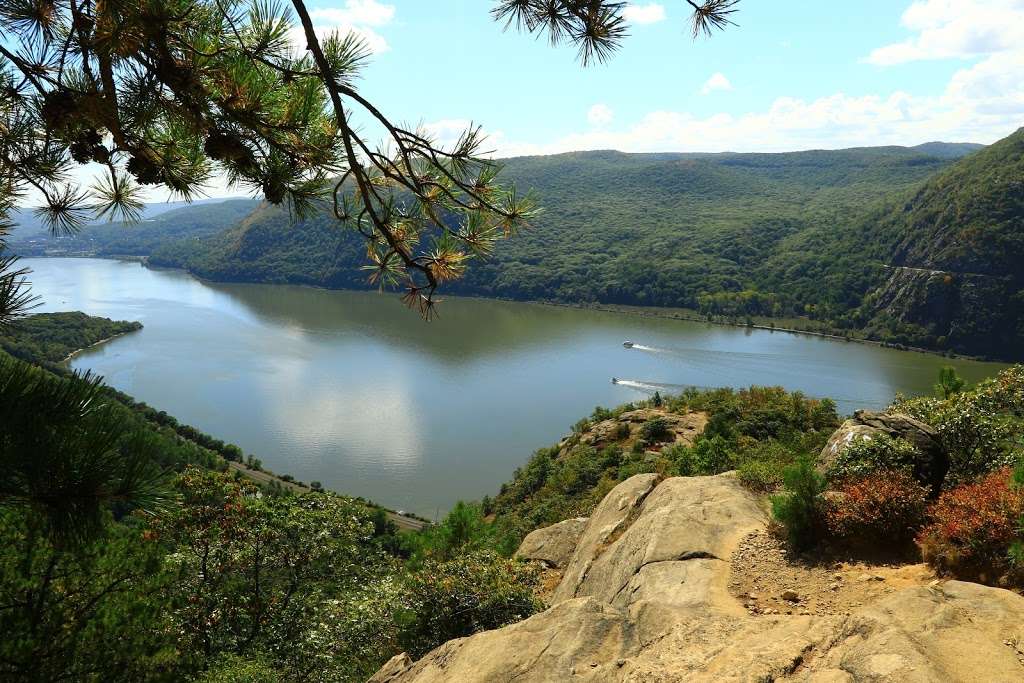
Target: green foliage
(712, 456)
(760, 476)
(879, 453)
(799, 510)
(979, 428)
(251, 573)
(49, 338)
(1017, 547)
(91, 614)
(231, 668)
(464, 596)
(765, 424)
(66, 455)
(463, 530)
(949, 382)
(765, 234)
(654, 430)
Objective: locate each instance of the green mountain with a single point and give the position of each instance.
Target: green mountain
(642, 229)
(956, 246)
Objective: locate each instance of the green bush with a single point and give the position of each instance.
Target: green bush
(879, 453)
(712, 456)
(799, 508)
(979, 428)
(655, 430)
(469, 594)
(761, 476)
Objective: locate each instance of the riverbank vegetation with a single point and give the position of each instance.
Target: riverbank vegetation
(49, 338)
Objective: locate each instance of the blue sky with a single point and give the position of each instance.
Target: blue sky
(789, 76)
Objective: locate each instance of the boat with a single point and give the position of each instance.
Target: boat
(615, 380)
(628, 344)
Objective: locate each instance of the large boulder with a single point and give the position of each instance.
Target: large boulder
(553, 545)
(932, 464)
(645, 535)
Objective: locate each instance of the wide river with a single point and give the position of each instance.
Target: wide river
(355, 391)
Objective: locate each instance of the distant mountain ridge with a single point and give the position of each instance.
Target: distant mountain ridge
(161, 223)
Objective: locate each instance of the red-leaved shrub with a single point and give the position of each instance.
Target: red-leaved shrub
(885, 506)
(972, 528)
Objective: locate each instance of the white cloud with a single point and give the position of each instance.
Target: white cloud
(355, 16)
(600, 115)
(718, 81)
(962, 29)
(651, 13)
(981, 103)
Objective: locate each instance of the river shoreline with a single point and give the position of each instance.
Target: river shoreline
(642, 311)
(74, 353)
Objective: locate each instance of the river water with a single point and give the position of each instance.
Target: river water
(355, 391)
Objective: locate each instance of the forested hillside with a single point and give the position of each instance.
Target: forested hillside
(160, 224)
(956, 271)
(642, 229)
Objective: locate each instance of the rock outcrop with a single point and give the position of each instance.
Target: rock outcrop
(644, 598)
(553, 545)
(932, 464)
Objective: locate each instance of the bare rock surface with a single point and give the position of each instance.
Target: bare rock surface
(553, 545)
(932, 464)
(645, 597)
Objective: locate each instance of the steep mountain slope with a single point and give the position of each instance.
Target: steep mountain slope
(956, 268)
(648, 229)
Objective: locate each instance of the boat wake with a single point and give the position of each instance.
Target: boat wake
(650, 387)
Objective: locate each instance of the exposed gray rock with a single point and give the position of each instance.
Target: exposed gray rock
(930, 468)
(553, 545)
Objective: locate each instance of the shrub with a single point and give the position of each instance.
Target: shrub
(949, 382)
(881, 505)
(866, 456)
(712, 456)
(654, 430)
(682, 459)
(762, 476)
(464, 596)
(799, 509)
(622, 431)
(979, 428)
(973, 528)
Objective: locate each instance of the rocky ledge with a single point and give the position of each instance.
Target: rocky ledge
(644, 596)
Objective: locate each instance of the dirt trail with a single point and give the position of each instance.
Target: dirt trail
(767, 579)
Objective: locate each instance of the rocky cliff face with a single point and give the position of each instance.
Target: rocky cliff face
(956, 264)
(644, 597)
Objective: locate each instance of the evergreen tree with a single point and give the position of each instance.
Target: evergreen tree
(170, 93)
